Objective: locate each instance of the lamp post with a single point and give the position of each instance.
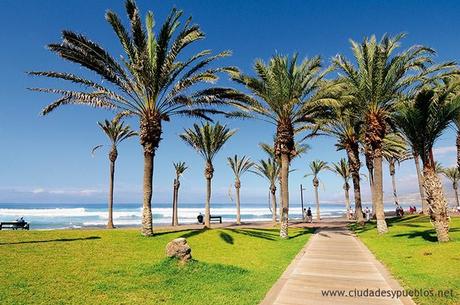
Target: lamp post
(301, 198)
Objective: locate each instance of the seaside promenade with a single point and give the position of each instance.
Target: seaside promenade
(334, 261)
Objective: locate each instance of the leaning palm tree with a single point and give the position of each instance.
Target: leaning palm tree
(394, 150)
(286, 97)
(179, 168)
(117, 132)
(207, 140)
(270, 170)
(316, 166)
(422, 120)
(342, 169)
(375, 83)
(453, 174)
(149, 82)
(239, 166)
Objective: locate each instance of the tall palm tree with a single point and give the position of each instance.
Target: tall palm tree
(342, 169)
(453, 174)
(239, 166)
(343, 125)
(117, 132)
(179, 168)
(207, 140)
(422, 120)
(270, 170)
(394, 150)
(286, 97)
(376, 81)
(316, 166)
(149, 82)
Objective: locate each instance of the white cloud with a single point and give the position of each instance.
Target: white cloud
(444, 150)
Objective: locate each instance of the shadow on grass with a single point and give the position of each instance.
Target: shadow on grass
(51, 240)
(256, 233)
(192, 233)
(226, 237)
(428, 235)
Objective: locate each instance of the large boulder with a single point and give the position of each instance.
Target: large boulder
(179, 249)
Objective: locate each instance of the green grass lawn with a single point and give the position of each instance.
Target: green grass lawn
(121, 267)
(416, 259)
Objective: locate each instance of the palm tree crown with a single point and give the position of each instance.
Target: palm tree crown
(116, 131)
(268, 169)
(342, 169)
(207, 139)
(240, 165)
(180, 168)
(316, 166)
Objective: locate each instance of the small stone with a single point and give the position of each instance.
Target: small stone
(179, 249)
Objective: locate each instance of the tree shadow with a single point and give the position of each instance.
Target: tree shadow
(192, 233)
(51, 240)
(428, 235)
(303, 232)
(226, 237)
(255, 233)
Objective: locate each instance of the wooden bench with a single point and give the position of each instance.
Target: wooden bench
(14, 225)
(217, 218)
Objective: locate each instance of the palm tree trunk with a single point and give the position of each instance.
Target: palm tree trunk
(174, 207)
(455, 187)
(280, 212)
(395, 194)
(284, 195)
(208, 173)
(346, 189)
(353, 161)
(147, 226)
(437, 203)
(238, 214)
(112, 176)
(425, 209)
(370, 172)
(378, 190)
(393, 180)
(318, 216)
(150, 137)
(273, 197)
(457, 143)
(176, 202)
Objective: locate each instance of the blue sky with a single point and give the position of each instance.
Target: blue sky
(47, 159)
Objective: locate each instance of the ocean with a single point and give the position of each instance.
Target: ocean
(65, 216)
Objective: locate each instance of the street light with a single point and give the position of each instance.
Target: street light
(301, 197)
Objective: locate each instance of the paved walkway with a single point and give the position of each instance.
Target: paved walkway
(333, 259)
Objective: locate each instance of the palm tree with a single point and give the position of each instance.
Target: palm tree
(180, 168)
(286, 97)
(394, 151)
(422, 120)
(117, 132)
(345, 127)
(342, 169)
(239, 167)
(375, 83)
(270, 151)
(316, 166)
(453, 174)
(270, 170)
(207, 140)
(148, 82)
